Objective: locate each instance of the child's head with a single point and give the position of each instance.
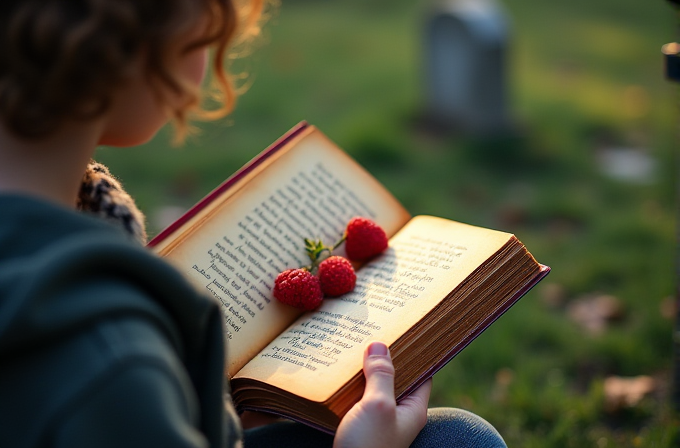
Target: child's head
(62, 60)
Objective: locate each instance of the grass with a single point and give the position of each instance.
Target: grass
(583, 75)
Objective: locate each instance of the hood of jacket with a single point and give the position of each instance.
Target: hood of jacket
(61, 271)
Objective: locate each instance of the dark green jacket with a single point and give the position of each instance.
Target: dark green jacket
(102, 344)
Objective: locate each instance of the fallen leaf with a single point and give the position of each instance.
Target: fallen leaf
(669, 308)
(552, 295)
(594, 313)
(626, 392)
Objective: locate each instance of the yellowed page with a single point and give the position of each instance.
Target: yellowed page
(322, 350)
(310, 191)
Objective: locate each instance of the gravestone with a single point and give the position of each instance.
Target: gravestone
(466, 69)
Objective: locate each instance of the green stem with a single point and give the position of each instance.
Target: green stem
(318, 259)
(340, 241)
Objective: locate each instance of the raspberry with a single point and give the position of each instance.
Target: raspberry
(364, 239)
(336, 276)
(298, 288)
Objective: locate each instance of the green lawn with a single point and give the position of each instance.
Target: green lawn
(584, 76)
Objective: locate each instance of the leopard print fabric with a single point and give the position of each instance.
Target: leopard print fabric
(103, 196)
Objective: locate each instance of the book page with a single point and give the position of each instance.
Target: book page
(308, 191)
(425, 261)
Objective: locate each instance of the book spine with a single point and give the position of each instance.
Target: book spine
(304, 421)
(227, 184)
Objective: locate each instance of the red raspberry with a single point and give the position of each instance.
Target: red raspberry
(336, 276)
(298, 288)
(364, 239)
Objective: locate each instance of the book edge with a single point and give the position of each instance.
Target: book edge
(229, 182)
(542, 273)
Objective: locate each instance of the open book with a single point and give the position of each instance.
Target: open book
(437, 287)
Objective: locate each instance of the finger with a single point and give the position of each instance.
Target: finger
(422, 393)
(379, 372)
(412, 410)
(419, 398)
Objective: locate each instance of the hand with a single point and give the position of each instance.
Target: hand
(377, 421)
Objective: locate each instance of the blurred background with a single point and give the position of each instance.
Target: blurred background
(569, 142)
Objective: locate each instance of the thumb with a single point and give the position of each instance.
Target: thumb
(379, 372)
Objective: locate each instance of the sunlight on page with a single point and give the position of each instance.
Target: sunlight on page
(322, 350)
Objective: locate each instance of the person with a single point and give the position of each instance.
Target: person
(103, 344)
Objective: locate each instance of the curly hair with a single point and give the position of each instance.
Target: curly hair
(61, 59)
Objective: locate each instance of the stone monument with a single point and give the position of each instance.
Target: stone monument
(466, 70)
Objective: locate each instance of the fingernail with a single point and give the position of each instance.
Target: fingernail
(377, 349)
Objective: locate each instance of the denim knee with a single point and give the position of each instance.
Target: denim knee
(457, 428)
